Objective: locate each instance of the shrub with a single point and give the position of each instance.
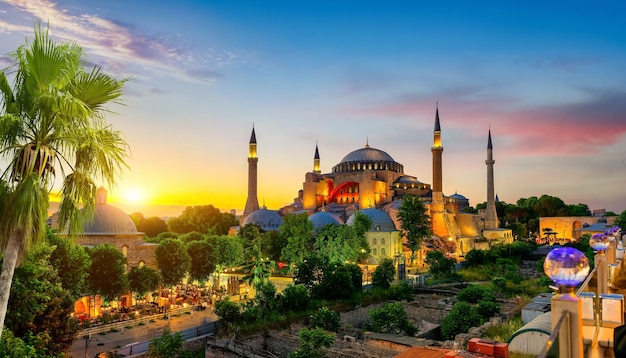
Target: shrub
(327, 319)
(384, 274)
(461, 318)
(487, 309)
(475, 293)
(475, 257)
(499, 283)
(311, 342)
(227, 311)
(294, 298)
(401, 291)
(391, 318)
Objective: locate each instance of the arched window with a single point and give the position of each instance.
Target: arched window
(374, 252)
(142, 264)
(382, 252)
(382, 241)
(374, 242)
(125, 251)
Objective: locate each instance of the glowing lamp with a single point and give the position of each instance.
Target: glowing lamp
(599, 242)
(566, 266)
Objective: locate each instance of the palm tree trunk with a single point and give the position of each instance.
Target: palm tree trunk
(6, 278)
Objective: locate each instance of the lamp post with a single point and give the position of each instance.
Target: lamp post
(567, 267)
(612, 250)
(599, 243)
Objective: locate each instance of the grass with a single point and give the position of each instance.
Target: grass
(501, 332)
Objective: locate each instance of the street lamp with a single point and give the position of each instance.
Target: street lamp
(567, 267)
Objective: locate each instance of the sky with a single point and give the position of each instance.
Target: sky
(546, 77)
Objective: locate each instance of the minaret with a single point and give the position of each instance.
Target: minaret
(491, 215)
(437, 150)
(316, 161)
(252, 203)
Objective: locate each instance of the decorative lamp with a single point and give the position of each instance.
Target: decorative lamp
(567, 267)
(610, 233)
(599, 242)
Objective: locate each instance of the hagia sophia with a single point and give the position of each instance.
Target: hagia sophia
(371, 181)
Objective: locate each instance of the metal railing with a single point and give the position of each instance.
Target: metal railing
(555, 333)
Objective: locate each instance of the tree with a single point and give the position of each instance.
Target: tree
(173, 260)
(621, 221)
(107, 273)
(461, 318)
(152, 226)
(311, 271)
(191, 236)
(327, 319)
(439, 264)
(311, 343)
(54, 114)
(204, 218)
(384, 274)
(39, 308)
(227, 251)
(202, 260)
(336, 283)
(142, 280)
(168, 345)
(294, 298)
(71, 262)
(298, 231)
(339, 243)
(414, 222)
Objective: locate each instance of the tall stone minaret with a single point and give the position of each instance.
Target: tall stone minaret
(252, 203)
(437, 150)
(437, 208)
(491, 215)
(316, 161)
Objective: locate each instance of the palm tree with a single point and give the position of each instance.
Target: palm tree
(52, 121)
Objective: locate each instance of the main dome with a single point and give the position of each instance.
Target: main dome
(367, 154)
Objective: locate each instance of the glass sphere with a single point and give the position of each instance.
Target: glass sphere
(599, 242)
(566, 266)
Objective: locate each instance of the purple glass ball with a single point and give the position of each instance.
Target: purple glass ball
(599, 242)
(566, 266)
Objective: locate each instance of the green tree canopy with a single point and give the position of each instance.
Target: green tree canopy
(384, 274)
(202, 260)
(71, 262)
(142, 280)
(107, 273)
(298, 232)
(205, 219)
(173, 260)
(414, 222)
(152, 226)
(227, 250)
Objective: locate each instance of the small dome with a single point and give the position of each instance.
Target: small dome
(323, 218)
(109, 220)
(380, 220)
(458, 196)
(407, 179)
(367, 154)
(268, 220)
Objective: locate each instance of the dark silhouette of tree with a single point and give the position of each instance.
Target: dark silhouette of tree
(205, 219)
(384, 274)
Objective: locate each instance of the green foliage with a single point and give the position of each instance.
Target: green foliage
(311, 343)
(297, 230)
(15, 347)
(202, 259)
(142, 280)
(327, 319)
(414, 221)
(265, 296)
(339, 243)
(173, 261)
(227, 251)
(107, 273)
(461, 318)
(475, 257)
(204, 219)
(191, 237)
(71, 262)
(294, 298)
(229, 312)
(391, 318)
(168, 345)
(357, 276)
(384, 274)
(499, 283)
(487, 309)
(503, 331)
(439, 265)
(401, 291)
(151, 226)
(311, 271)
(336, 283)
(475, 293)
(621, 221)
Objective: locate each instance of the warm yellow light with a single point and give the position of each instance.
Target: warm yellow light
(134, 195)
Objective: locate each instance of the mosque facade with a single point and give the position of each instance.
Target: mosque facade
(369, 178)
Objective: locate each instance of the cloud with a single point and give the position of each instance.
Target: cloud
(121, 47)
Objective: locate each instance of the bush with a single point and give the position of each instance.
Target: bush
(475, 257)
(499, 283)
(461, 318)
(391, 318)
(294, 298)
(336, 284)
(487, 309)
(311, 342)
(475, 293)
(401, 291)
(227, 311)
(327, 319)
(384, 274)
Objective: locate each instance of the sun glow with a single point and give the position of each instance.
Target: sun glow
(133, 196)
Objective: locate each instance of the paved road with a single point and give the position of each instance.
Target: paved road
(113, 340)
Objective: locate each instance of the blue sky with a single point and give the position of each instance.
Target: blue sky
(546, 77)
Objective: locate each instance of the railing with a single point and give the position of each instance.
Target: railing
(144, 320)
(555, 332)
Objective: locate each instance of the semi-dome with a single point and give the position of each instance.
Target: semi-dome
(268, 220)
(109, 220)
(380, 220)
(323, 218)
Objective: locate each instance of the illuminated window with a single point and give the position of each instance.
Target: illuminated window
(125, 250)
